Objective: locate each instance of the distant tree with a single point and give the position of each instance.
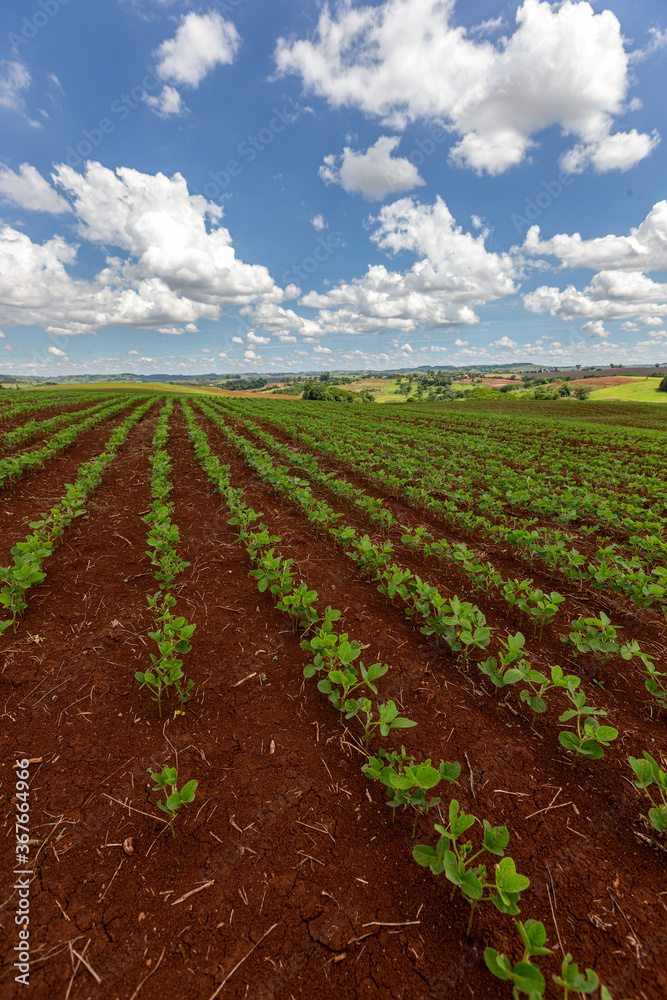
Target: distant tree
(663, 385)
(325, 376)
(565, 390)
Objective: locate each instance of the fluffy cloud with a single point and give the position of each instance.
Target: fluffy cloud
(373, 174)
(610, 295)
(14, 79)
(171, 267)
(644, 249)
(454, 273)
(167, 103)
(317, 222)
(620, 151)
(405, 60)
(504, 344)
(202, 42)
(621, 289)
(29, 190)
(595, 330)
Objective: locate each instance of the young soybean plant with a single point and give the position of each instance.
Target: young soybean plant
(648, 772)
(527, 978)
(406, 781)
(167, 778)
(590, 738)
(456, 859)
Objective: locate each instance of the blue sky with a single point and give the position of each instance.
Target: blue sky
(247, 185)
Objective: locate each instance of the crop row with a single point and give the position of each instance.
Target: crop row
(172, 632)
(29, 555)
(460, 623)
(610, 568)
(14, 466)
(25, 432)
(529, 600)
(352, 690)
(32, 402)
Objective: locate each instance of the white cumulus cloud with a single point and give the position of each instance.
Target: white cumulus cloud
(407, 60)
(373, 174)
(452, 275)
(202, 42)
(167, 103)
(173, 262)
(28, 189)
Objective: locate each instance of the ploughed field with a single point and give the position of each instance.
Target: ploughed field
(363, 638)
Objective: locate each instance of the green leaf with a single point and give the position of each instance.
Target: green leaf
(508, 879)
(451, 867)
(498, 965)
(449, 772)
(471, 886)
(402, 724)
(570, 741)
(534, 936)
(658, 819)
(496, 838)
(187, 792)
(423, 855)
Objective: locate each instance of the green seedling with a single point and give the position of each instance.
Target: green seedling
(166, 779)
(590, 738)
(407, 782)
(593, 635)
(173, 640)
(526, 977)
(455, 858)
(647, 773)
(388, 718)
(539, 686)
(300, 606)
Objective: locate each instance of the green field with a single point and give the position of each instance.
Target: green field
(150, 388)
(645, 391)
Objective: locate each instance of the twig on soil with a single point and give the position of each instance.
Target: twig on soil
(117, 769)
(50, 692)
(193, 891)
(112, 878)
(132, 809)
(309, 858)
(136, 992)
(632, 937)
(244, 679)
(546, 808)
(76, 967)
(381, 923)
(553, 911)
(470, 769)
(316, 828)
(87, 964)
(238, 964)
